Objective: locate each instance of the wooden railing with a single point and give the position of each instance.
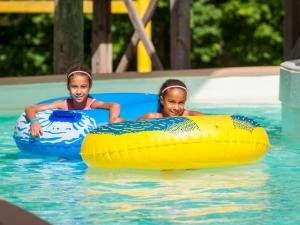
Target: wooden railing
(117, 7)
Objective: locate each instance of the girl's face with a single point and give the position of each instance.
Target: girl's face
(79, 87)
(173, 102)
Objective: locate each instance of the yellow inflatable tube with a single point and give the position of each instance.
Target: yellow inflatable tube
(176, 143)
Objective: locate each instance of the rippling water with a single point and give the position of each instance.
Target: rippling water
(67, 192)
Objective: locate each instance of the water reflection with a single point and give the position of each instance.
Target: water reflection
(182, 196)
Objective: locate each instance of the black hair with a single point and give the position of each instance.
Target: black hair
(83, 68)
(163, 90)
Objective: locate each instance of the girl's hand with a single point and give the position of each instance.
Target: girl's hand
(35, 129)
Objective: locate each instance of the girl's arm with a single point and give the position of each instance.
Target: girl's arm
(114, 110)
(195, 113)
(30, 111)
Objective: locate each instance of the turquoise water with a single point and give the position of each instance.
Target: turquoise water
(67, 192)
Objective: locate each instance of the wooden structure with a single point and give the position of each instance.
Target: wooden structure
(68, 35)
(180, 34)
(291, 30)
(47, 6)
(68, 31)
(139, 27)
(101, 37)
(130, 50)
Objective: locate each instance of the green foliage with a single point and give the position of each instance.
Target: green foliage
(26, 44)
(121, 34)
(252, 32)
(236, 32)
(206, 32)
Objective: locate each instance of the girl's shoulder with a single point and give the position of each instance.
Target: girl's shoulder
(150, 115)
(192, 113)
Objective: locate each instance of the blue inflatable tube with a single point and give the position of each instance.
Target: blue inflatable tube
(64, 131)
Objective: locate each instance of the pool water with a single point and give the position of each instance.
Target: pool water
(67, 192)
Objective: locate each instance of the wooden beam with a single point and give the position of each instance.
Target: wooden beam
(101, 37)
(26, 6)
(138, 25)
(180, 34)
(291, 30)
(131, 48)
(47, 6)
(68, 34)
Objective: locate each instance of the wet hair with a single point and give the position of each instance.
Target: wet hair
(81, 69)
(168, 84)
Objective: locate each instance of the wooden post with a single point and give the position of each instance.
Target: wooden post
(138, 26)
(291, 30)
(180, 34)
(130, 50)
(101, 37)
(68, 34)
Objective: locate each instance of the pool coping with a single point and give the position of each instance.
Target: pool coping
(211, 72)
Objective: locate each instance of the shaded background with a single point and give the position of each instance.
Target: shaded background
(224, 33)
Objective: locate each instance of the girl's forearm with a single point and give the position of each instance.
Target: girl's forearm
(114, 111)
(30, 112)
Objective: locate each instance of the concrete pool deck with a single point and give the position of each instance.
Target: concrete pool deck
(236, 85)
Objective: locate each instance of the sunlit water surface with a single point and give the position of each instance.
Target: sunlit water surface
(67, 192)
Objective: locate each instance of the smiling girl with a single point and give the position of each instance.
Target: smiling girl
(79, 84)
(172, 98)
